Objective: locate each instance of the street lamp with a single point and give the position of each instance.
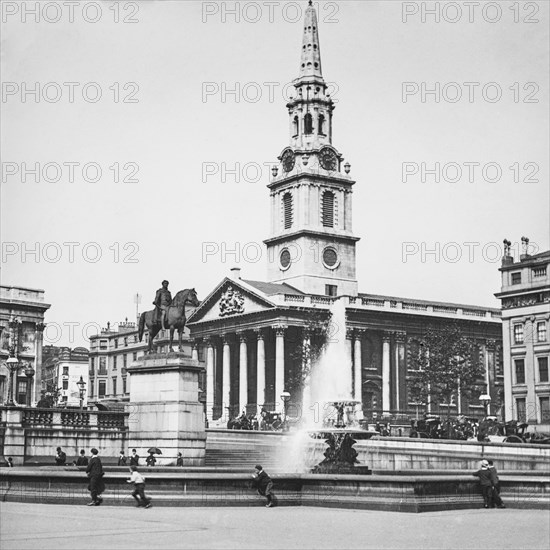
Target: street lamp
(81, 390)
(13, 366)
(285, 396)
(486, 402)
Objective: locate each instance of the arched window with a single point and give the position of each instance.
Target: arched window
(327, 209)
(308, 124)
(295, 126)
(287, 210)
(321, 129)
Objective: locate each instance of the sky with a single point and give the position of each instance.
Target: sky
(144, 110)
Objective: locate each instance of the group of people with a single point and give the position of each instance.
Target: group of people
(490, 485)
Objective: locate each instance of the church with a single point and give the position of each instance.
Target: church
(254, 333)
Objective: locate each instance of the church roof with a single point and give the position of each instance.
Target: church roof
(269, 289)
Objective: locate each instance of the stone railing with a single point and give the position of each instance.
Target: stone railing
(31, 417)
(294, 298)
(415, 306)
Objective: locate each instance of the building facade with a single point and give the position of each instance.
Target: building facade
(21, 334)
(62, 369)
(255, 332)
(525, 297)
(114, 349)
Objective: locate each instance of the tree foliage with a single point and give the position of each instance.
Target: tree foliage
(448, 364)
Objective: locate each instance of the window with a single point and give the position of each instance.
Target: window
(91, 394)
(136, 339)
(541, 331)
(101, 388)
(116, 343)
(516, 278)
(93, 363)
(115, 358)
(520, 408)
(331, 290)
(124, 360)
(134, 356)
(102, 365)
(544, 409)
(328, 209)
(543, 368)
(518, 334)
(520, 371)
(65, 371)
(65, 384)
(114, 385)
(295, 126)
(308, 124)
(321, 123)
(125, 341)
(103, 344)
(287, 210)
(124, 389)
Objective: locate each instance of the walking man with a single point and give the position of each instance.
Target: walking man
(264, 484)
(95, 473)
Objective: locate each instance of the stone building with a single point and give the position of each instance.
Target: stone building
(253, 331)
(114, 349)
(62, 368)
(525, 296)
(21, 329)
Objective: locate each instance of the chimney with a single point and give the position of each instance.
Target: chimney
(507, 258)
(235, 273)
(525, 246)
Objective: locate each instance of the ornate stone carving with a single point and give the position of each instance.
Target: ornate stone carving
(280, 329)
(231, 302)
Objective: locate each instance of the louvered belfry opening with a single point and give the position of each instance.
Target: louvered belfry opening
(328, 209)
(287, 210)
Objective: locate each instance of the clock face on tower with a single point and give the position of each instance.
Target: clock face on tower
(328, 159)
(288, 160)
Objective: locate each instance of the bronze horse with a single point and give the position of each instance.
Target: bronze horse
(175, 317)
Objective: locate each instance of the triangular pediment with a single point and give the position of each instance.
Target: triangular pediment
(231, 298)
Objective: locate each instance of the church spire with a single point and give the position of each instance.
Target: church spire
(310, 64)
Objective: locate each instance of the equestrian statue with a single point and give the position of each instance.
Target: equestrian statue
(168, 313)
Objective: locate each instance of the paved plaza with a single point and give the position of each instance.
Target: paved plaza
(43, 526)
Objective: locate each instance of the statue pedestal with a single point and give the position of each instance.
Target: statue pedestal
(164, 409)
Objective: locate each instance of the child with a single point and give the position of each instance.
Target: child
(151, 460)
(486, 484)
(139, 488)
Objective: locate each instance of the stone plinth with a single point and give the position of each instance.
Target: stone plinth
(164, 409)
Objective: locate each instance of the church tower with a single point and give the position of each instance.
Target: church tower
(312, 246)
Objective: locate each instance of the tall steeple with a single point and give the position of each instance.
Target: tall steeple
(310, 64)
(312, 246)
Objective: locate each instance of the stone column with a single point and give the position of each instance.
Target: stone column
(209, 379)
(243, 373)
(357, 367)
(399, 367)
(386, 405)
(279, 364)
(39, 340)
(226, 380)
(509, 404)
(260, 366)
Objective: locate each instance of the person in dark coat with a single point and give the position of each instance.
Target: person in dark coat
(264, 484)
(179, 461)
(95, 473)
(82, 460)
(121, 459)
(496, 485)
(60, 457)
(134, 458)
(151, 460)
(486, 483)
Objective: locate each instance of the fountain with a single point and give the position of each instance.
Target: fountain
(340, 434)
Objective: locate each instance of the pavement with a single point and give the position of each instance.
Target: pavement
(59, 527)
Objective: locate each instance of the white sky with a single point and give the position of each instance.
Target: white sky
(171, 131)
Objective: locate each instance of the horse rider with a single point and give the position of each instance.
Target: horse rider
(163, 298)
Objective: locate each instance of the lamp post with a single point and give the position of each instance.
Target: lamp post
(285, 396)
(81, 390)
(13, 366)
(485, 399)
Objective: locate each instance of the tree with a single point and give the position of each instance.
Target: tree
(449, 366)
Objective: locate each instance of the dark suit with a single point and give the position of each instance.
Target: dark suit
(264, 484)
(486, 486)
(134, 460)
(82, 461)
(496, 486)
(95, 473)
